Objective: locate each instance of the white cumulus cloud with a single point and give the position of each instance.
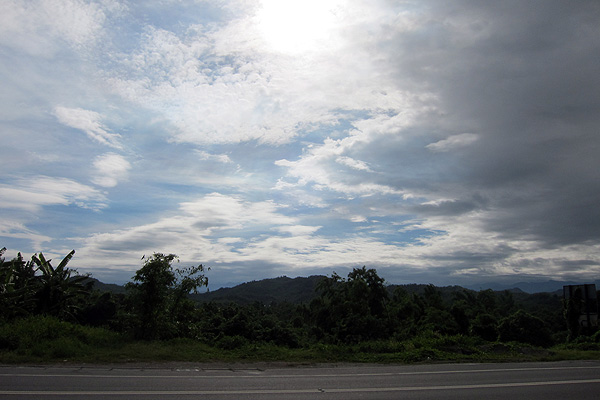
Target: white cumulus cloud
(354, 164)
(110, 169)
(39, 27)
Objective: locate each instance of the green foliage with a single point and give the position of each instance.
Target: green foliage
(485, 326)
(57, 291)
(99, 309)
(356, 318)
(256, 323)
(525, 328)
(16, 287)
(440, 321)
(158, 297)
(36, 287)
(351, 310)
(232, 342)
(47, 337)
(276, 290)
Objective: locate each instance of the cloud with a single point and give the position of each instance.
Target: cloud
(216, 210)
(110, 169)
(318, 166)
(220, 158)
(437, 139)
(445, 207)
(13, 227)
(196, 230)
(354, 164)
(221, 84)
(34, 193)
(89, 122)
(40, 27)
(298, 230)
(453, 142)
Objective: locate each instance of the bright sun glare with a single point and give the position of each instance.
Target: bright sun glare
(295, 27)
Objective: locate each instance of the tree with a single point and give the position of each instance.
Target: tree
(487, 300)
(353, 309)
(432, 297)
(57, 292)
(405, 311)
(485, 326)
(158, 296)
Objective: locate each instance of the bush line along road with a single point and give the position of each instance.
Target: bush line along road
(52, 314)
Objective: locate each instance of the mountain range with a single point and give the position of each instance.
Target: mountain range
(302, 290)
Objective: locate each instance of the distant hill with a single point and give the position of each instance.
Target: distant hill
(106, 287)
(302, 290)
(447, 292)
(294, 290)
(266, 291)
(532, 287)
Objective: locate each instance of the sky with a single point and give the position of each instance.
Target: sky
(438, 142)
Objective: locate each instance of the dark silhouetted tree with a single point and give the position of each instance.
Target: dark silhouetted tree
(353, 309)
(158, 296)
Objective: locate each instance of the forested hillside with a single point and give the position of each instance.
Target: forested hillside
(266, 291)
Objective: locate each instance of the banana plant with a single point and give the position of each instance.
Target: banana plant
(16, 292)
(6, 285)
(5, 274)
(58, 293)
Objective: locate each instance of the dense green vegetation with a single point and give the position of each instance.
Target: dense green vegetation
(52, 313)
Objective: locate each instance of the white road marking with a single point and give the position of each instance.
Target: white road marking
(291, 391)
(287, 376)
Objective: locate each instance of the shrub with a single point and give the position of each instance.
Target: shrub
(49, 338)
(485, 326)
(232, 342)
(525, 328)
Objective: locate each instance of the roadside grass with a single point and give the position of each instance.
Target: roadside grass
(48, 340)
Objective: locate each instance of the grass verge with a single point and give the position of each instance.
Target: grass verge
(48, 340)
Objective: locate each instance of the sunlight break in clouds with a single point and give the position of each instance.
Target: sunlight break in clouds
(295, 27)
(219, 84)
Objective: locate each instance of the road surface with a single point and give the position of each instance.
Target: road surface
(560, 380)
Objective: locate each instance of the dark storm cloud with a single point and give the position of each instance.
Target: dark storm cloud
(524, 77)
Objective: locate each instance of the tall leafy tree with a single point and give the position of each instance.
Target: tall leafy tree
(353, 309)
(158, 296)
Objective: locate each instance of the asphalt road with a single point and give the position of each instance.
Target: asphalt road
(561, 380)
